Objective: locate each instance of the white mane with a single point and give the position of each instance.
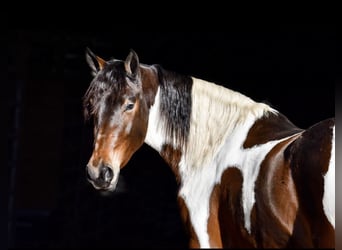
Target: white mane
(216, 112)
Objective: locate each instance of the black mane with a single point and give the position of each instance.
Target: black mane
(175, 104)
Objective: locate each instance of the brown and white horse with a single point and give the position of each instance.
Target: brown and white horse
(248, 176)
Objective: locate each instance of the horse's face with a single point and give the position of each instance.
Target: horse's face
(120, 115)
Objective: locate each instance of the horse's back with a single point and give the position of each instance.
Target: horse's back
(312, 161)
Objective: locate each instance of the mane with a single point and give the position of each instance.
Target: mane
(198, 115)
(216, 113)
(175, 105)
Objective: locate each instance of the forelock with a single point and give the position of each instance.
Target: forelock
(109, 81)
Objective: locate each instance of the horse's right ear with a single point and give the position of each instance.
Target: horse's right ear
(95, 62)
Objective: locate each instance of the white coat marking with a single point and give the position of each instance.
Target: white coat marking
(329, 186)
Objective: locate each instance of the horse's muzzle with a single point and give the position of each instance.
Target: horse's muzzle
(104, 178)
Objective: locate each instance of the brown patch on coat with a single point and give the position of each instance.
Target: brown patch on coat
(149, 79)
(309, 158)
(270, 127)
(226, 217)
(172, 157)
(276, 198)
(184, 213)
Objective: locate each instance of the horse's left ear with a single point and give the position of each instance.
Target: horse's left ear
(132, 64)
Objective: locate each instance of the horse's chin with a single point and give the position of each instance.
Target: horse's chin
(106, 193)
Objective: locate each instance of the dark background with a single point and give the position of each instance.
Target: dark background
(50, 203)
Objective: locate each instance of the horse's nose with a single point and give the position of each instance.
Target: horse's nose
(105, 176)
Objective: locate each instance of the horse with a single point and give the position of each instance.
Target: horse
(248, 177)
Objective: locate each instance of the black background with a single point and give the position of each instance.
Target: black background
(50, 203)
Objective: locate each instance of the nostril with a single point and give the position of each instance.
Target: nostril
(106, 174)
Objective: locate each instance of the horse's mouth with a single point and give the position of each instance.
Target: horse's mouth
(114, 187)
(107, 192)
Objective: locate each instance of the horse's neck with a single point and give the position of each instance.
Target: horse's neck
(216, 112)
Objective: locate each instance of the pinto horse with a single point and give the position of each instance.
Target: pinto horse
(248, 177)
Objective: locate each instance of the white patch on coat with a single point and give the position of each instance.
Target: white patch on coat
(155, 135)
(329, 186)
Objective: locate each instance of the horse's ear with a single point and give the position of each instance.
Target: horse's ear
(95, 62)
(132, 64)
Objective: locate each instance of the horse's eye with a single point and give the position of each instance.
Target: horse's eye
(129, 106)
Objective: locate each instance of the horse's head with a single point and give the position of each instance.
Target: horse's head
(120, 112)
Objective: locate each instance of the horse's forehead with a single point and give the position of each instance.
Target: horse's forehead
(113, 71)
(112, 80)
